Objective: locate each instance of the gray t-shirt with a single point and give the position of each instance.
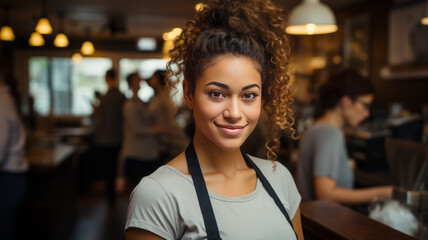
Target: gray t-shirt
(166, 204)
(322, 153)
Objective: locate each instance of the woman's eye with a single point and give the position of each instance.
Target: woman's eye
(249, 96)
(216, 94)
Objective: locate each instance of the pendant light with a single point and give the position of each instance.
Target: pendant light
(311, 17)
(6, 31)
(87, 48)
(424, 20)
(61, 39)
(36, 40)
(43, 25)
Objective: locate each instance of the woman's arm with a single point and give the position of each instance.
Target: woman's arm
(140, 234)
(326, 189)
(297, 224)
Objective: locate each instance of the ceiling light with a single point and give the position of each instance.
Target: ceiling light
(87, 48)
(43, 26)
(6, 34)
(199, 7)
(76, 58)
(424, 20)
(36, 40)
(61, 40)
(311, 17)
(146, 44)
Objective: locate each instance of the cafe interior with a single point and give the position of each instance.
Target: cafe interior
(60, 51)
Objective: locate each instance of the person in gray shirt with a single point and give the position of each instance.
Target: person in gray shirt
(323, 169)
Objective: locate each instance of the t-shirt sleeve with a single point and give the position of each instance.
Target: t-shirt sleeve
(327, 146)
(291, 193)
(151, 209)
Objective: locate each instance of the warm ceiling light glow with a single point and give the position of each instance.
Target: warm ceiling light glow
(337, 59)
(36, 40)
(6, 34)
(199, 7)
(87, 48)
(61, 40)
(424, 20)
(43, 26)
(311, 17)
(173, 34)
(310, 28)
(76, 58)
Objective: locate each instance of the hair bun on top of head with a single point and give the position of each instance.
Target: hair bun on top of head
(259, 24)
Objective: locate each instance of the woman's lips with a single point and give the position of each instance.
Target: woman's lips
(231, 130)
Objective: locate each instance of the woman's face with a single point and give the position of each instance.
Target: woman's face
(358, 110)
(226, 101)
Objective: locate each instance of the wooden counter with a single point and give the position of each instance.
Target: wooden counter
(50, 204)
(332, 221)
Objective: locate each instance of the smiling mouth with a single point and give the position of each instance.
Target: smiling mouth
(231, 130)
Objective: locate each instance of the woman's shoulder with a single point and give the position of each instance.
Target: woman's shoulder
(324, 131)
(271, 168)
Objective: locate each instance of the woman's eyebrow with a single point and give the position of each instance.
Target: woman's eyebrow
(218, 84)
(250, 86)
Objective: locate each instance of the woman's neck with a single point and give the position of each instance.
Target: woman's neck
(214, 159)
(333, 117)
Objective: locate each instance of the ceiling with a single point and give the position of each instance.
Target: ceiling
(113, 18)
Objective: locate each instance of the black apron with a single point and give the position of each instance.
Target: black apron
(203, 197)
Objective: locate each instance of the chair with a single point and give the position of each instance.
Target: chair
(408, 162)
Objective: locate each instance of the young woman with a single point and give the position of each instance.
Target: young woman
(323, 169)
(234, 56)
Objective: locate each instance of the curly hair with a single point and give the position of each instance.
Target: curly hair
(250, 28)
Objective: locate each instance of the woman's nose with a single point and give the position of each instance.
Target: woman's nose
(232, 110)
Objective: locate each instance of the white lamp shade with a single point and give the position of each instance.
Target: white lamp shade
(6, 34)
(87, 48)
(36, 40)
(424, 21)
(311, 17)
(43, 26)
(61, 40)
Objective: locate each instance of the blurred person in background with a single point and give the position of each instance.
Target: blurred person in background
(140, 154)
(173, 140)
(13, 164)
(323, 168)
(108, 134)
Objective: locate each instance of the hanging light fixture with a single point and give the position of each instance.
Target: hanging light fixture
(61, 39)
(311, 17)
(87, 48)
(36, 40)
(43, 25)
(6, 34)
(424, 20)
(76, 58)
(6, 31)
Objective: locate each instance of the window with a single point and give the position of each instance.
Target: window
(58, 85)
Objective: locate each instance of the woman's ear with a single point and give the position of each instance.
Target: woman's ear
(188, 93)
(345, 101)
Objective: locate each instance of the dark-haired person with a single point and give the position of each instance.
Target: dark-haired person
(108, 134)
(234, 56)
(323, 169)
(13, 164)
(173, 140)
(140, 154)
